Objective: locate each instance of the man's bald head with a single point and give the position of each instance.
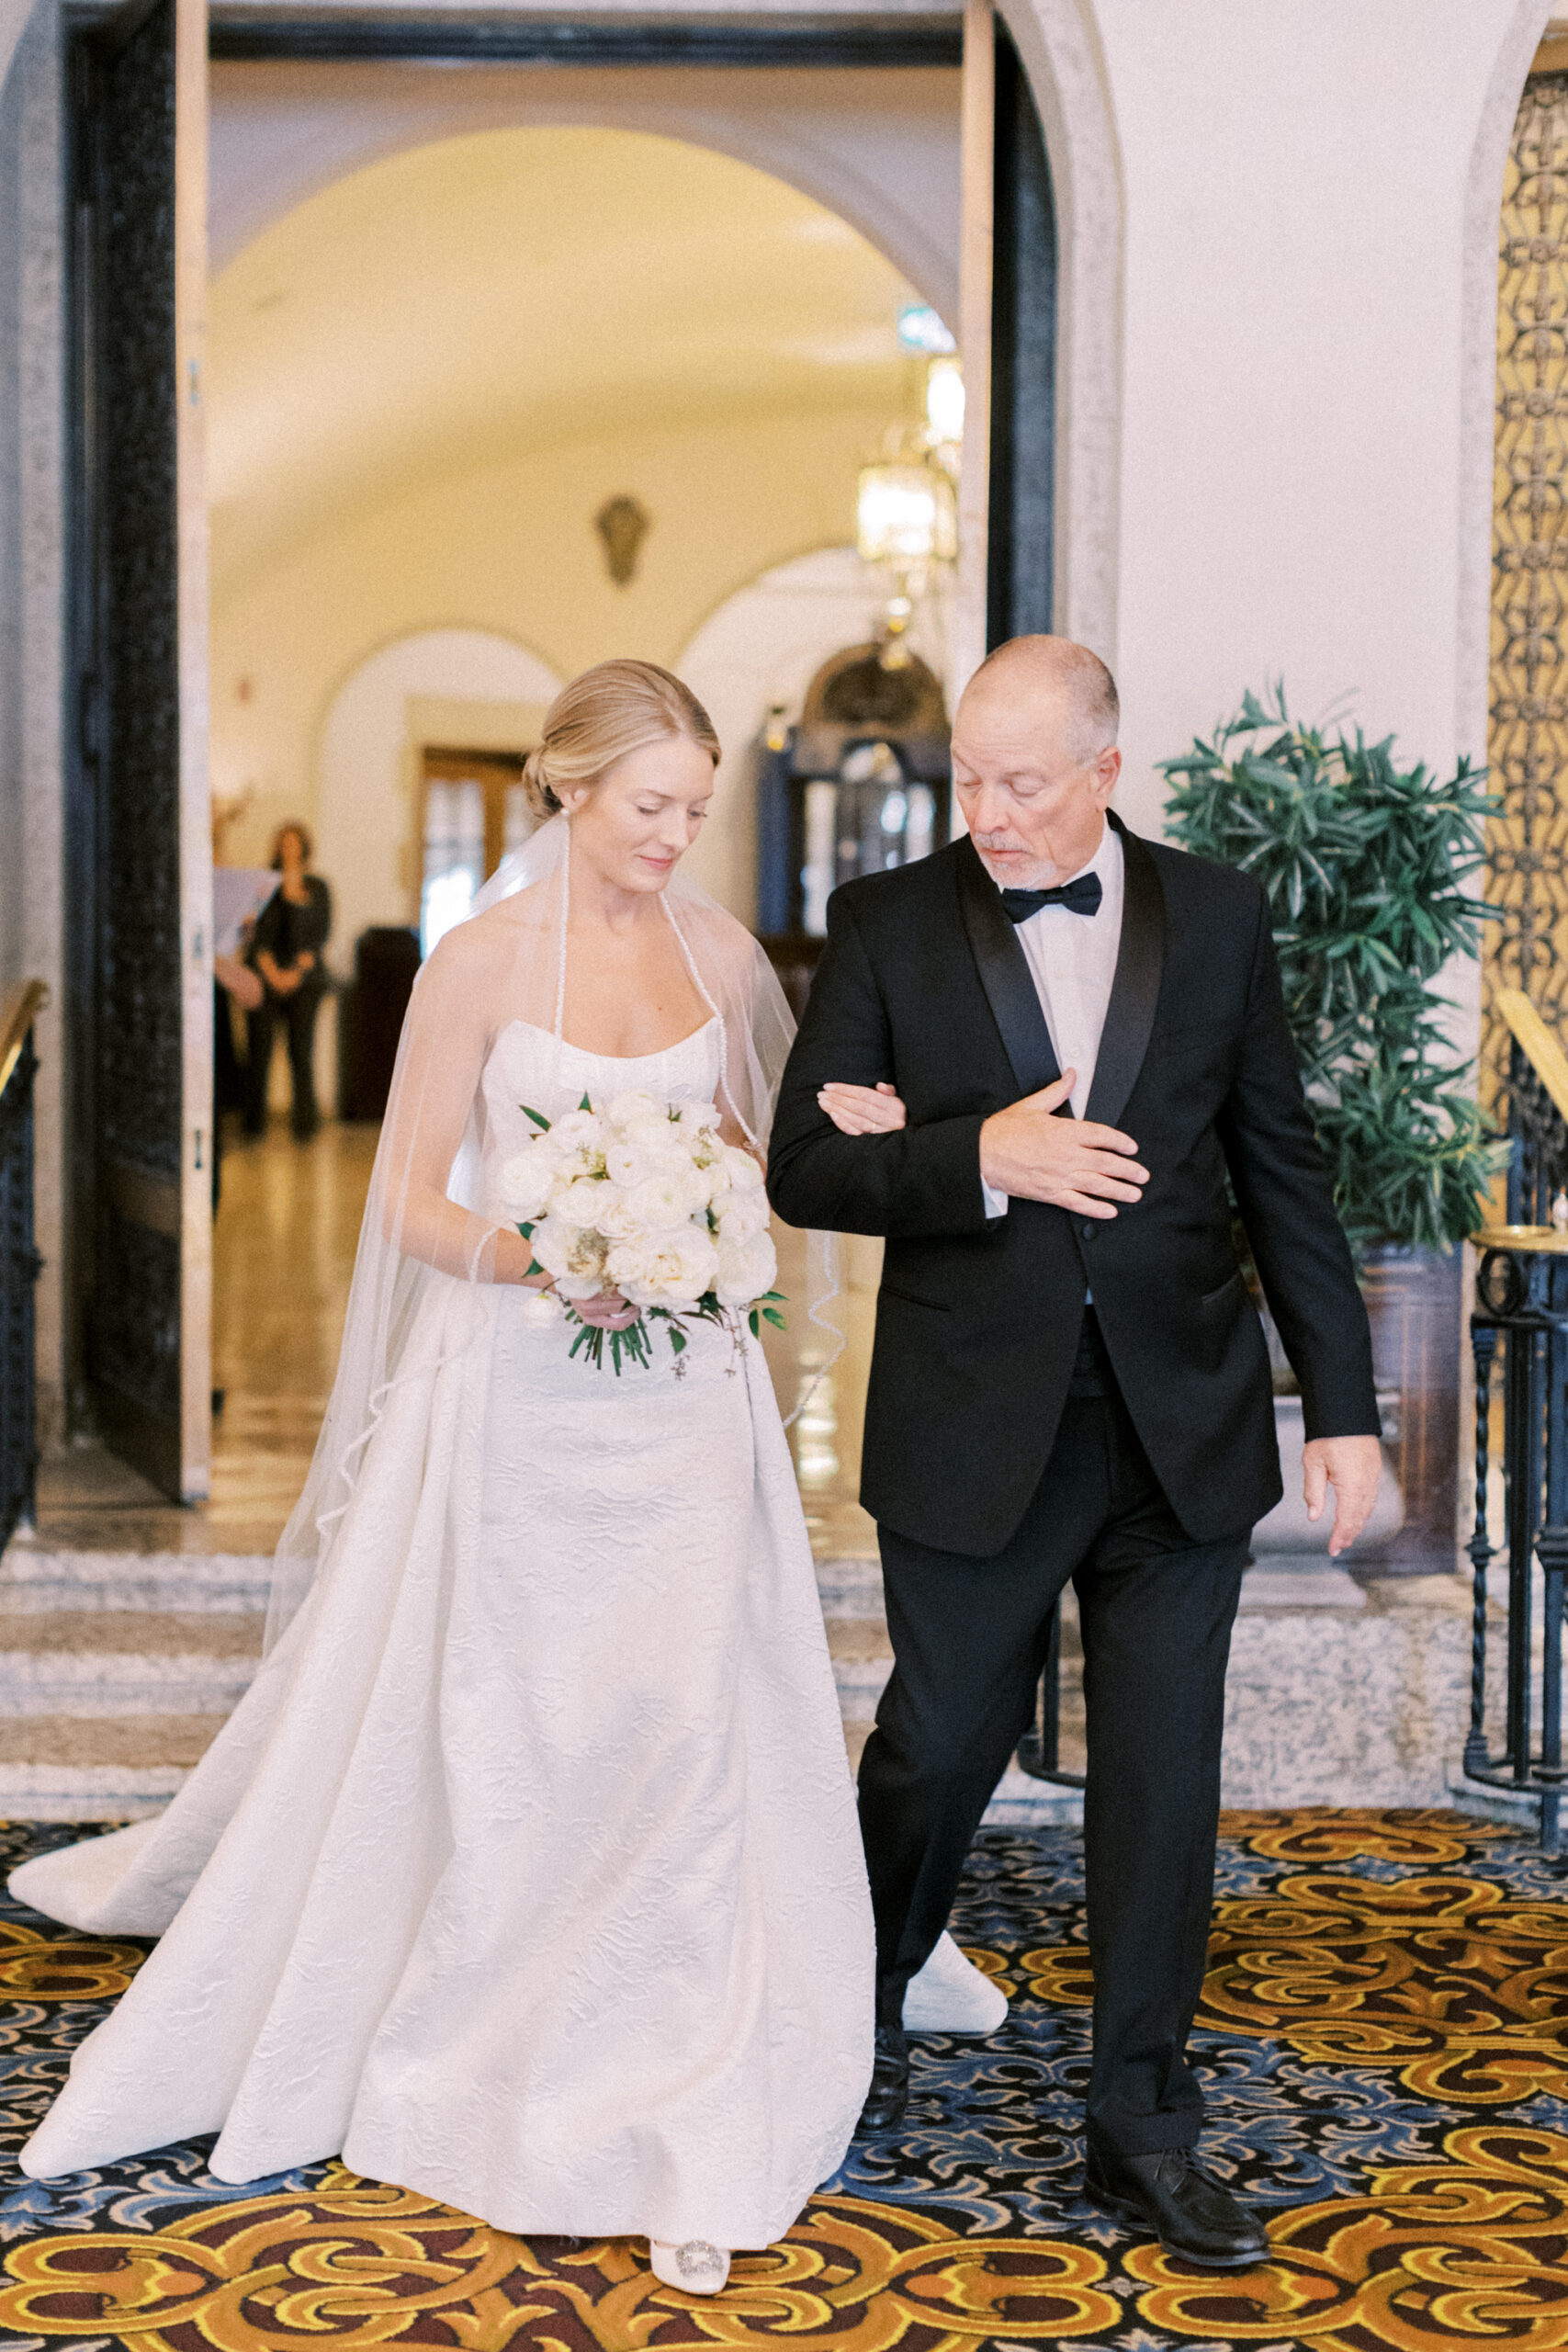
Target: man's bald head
(1034, 759)
(1055, 671)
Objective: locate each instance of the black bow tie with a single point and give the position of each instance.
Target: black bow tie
(1082, 897)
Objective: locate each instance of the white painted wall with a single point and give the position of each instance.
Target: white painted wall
(764, 645)
(1292, 444)
(364, 764)
(879, 148)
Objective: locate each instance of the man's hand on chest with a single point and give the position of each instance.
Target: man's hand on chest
(1073, 1164)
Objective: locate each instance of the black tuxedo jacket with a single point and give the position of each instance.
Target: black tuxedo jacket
(924, 983)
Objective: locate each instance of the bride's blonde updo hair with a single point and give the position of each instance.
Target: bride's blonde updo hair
(611, 710)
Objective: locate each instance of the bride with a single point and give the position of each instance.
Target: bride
(528, 1872)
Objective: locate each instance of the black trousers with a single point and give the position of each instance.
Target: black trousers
(969, 1643)
(297, 1015)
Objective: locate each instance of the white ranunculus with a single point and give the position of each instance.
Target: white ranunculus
(700, 1118)
(740, 1214)
(525, 1183)
(746, 1269)
(663, 1201)
(671, 1269)
(578, 1203)
(541, 1310)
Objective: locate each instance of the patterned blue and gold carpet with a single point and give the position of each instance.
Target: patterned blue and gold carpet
(1384, 2031)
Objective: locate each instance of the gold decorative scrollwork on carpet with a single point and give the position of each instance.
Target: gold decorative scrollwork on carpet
(1349, 1834)
(361, 2264)
(1474, 2247)
(1458, 1987)
(64, 1968)
(1372, 1976)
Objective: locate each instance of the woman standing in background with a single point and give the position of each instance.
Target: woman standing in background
(291, 931)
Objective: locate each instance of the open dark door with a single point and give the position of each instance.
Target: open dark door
(1021, 530)
(139, 841)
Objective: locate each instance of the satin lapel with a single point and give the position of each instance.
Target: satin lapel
(1005, 975)
(1134, 993)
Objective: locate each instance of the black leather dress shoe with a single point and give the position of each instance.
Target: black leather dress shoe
(1171, 2196)
(889, 2092)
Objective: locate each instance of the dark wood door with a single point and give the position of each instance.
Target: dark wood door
(140, 847)
(1020, 550)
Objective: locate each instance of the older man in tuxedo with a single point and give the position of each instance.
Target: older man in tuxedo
(1032, 1062)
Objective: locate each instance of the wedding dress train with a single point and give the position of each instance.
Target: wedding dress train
(537, 1890)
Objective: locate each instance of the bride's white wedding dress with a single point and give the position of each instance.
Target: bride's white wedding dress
(536, 1890)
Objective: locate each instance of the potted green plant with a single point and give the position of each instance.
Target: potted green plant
(1365, 862)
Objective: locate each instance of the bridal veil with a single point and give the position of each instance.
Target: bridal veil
(427, 1225)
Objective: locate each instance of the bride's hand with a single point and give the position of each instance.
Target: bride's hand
(864, 1110)
(608, 1312)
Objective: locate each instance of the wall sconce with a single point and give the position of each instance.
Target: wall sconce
(623, 524)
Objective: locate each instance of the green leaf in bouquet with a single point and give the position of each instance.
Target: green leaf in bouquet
(585, 1105)
(538, 1116)
(756, 1327)
(771, 1314)
(677, 1338)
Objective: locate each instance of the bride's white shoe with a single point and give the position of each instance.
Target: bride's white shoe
(697, 2267)
(952, 1995)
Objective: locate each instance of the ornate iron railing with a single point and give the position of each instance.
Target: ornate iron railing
(1521, 1317)
(19, 1262)
(1528, 838)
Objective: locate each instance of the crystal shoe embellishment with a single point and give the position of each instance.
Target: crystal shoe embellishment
(697, 2256)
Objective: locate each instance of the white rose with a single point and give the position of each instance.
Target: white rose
(702, 1118)
(746, 1269)
(616, 1220)
(670, 1269)
(740, 1214)
(575, 1256)
(575, 1129)
(744, 1175)
(631, 1110)
(661, 1202)
(578, 1203)
(541, 1308)
(633, 1160)
(525, 1183)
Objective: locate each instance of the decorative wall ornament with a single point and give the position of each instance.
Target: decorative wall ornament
(623, 524)
(1527, 841)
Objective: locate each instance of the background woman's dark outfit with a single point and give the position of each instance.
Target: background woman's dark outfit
(287, 931)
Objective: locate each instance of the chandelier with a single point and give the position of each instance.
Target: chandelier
(906, 504)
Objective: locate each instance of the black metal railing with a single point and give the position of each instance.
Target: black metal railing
(1038, 1751)
(20, 1263)
(1519, 1335)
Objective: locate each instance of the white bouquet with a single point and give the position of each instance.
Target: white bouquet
(648, 1199)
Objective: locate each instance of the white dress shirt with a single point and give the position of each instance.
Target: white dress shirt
(1072, 960)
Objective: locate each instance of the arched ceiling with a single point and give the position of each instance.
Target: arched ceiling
(498, 293)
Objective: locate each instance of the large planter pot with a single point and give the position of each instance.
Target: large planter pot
(1414, 1302)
